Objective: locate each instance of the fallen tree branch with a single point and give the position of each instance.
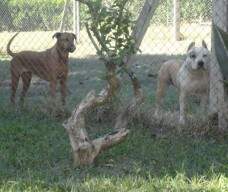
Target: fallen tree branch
(84, 149)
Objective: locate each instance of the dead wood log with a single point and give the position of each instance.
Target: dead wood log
(84, 149)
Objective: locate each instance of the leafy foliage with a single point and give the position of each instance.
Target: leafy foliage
(112, 27)
(30, 15)
(46, 14)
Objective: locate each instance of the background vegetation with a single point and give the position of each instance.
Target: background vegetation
(46, 14)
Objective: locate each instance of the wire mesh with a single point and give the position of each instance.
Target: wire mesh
(37, 21)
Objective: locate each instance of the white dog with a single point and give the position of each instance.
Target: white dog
(191, 77)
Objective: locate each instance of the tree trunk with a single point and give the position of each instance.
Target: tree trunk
(217, 100)
(142, 25)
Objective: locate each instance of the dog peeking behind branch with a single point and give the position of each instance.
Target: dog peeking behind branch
(50, 65)
(191, 77)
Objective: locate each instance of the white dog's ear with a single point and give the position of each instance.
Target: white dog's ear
(191, 46)
(204, 44)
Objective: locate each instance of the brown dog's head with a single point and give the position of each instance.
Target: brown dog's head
(65, 41)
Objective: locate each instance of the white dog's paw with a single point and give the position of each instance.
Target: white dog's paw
(182, 121)
(156, 113)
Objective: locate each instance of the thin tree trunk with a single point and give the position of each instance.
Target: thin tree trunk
(86, 150)
(217, 100)
(142, 25)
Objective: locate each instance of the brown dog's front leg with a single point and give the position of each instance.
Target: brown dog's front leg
(63, 90)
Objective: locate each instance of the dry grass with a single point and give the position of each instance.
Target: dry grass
(158, 40)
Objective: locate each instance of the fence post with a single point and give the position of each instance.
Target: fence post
(76, 19)
(217, 94)
(176, 20)
(64, 16)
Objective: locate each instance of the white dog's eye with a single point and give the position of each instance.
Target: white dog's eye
(193, 56)
(204, 55)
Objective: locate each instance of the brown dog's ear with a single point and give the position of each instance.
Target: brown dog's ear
(75, 37)
(191, 46)
(57, 35)
(204, 44)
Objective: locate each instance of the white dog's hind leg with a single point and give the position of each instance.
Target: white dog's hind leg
(182, 101)
(160, 93)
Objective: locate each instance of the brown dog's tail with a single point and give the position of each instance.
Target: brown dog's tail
(8, 46)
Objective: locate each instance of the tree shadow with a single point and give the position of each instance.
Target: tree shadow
(35, 146)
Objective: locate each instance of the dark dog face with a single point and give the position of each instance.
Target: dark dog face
(66, 41)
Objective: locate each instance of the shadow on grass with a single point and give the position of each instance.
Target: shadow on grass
(34, 145)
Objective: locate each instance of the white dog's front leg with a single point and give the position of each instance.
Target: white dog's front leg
(182, 103)
(203, 106)
(204, 102)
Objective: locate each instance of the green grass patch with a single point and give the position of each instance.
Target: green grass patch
(35, 153)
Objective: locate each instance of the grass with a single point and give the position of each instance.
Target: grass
(35, 156)
(35, 153)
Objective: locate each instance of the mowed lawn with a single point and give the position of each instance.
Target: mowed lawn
(35, 153)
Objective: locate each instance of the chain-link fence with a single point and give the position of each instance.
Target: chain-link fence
(44, 17)
(37, 21)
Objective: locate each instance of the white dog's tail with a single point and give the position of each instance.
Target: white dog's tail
(8, 46)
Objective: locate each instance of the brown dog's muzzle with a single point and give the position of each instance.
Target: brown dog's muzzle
(71, 49)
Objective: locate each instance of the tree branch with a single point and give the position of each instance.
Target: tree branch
(87, 2)
(99, 39)
(92, 39)
(141, 26)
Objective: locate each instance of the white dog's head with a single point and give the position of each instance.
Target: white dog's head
(198, 57)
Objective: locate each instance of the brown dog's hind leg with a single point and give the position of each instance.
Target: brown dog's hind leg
(26, 79)
(53, 84)
(14, 84)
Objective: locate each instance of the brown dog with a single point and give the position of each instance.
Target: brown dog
(50, 65)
